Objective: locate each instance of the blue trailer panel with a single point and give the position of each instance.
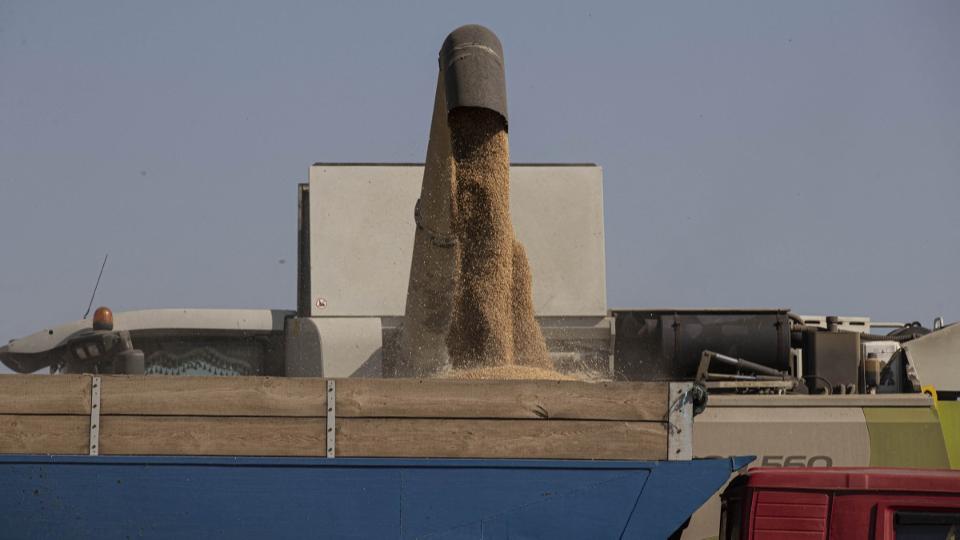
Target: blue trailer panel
(194, 497)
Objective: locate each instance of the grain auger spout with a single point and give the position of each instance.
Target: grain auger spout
(471, 71)
(471, 75)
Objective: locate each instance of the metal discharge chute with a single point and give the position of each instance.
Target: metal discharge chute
(470, 75)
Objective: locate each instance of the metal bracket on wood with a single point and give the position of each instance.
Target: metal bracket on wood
(95, 416)
(613, 344)
(680, 422)
(331, 418)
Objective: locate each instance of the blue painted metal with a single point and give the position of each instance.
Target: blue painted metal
(201, 497)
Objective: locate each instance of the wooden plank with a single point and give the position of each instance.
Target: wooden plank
(444, 398)
(44, 434)
(535, 439)
(373, 437)
(214, 396)
(212, 436)
(44, 394)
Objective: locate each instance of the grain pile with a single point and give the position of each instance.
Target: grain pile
(529, 347)
(509, 372)
(493, 333)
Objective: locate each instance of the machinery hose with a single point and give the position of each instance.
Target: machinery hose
(900, 338)
(863, 337)
(828, 387)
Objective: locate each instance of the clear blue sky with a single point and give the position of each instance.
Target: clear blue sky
(802, 154)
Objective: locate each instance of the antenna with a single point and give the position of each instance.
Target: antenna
(92, 296)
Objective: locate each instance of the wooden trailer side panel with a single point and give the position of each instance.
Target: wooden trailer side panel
(263, 416)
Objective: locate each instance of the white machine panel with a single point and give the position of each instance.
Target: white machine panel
(362, 227)
(936, 356)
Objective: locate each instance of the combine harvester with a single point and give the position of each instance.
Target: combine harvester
(341, 442)
(376, 264)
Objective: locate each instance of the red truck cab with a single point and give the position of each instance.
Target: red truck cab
(842, 503)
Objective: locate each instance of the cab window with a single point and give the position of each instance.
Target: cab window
(926, 525)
